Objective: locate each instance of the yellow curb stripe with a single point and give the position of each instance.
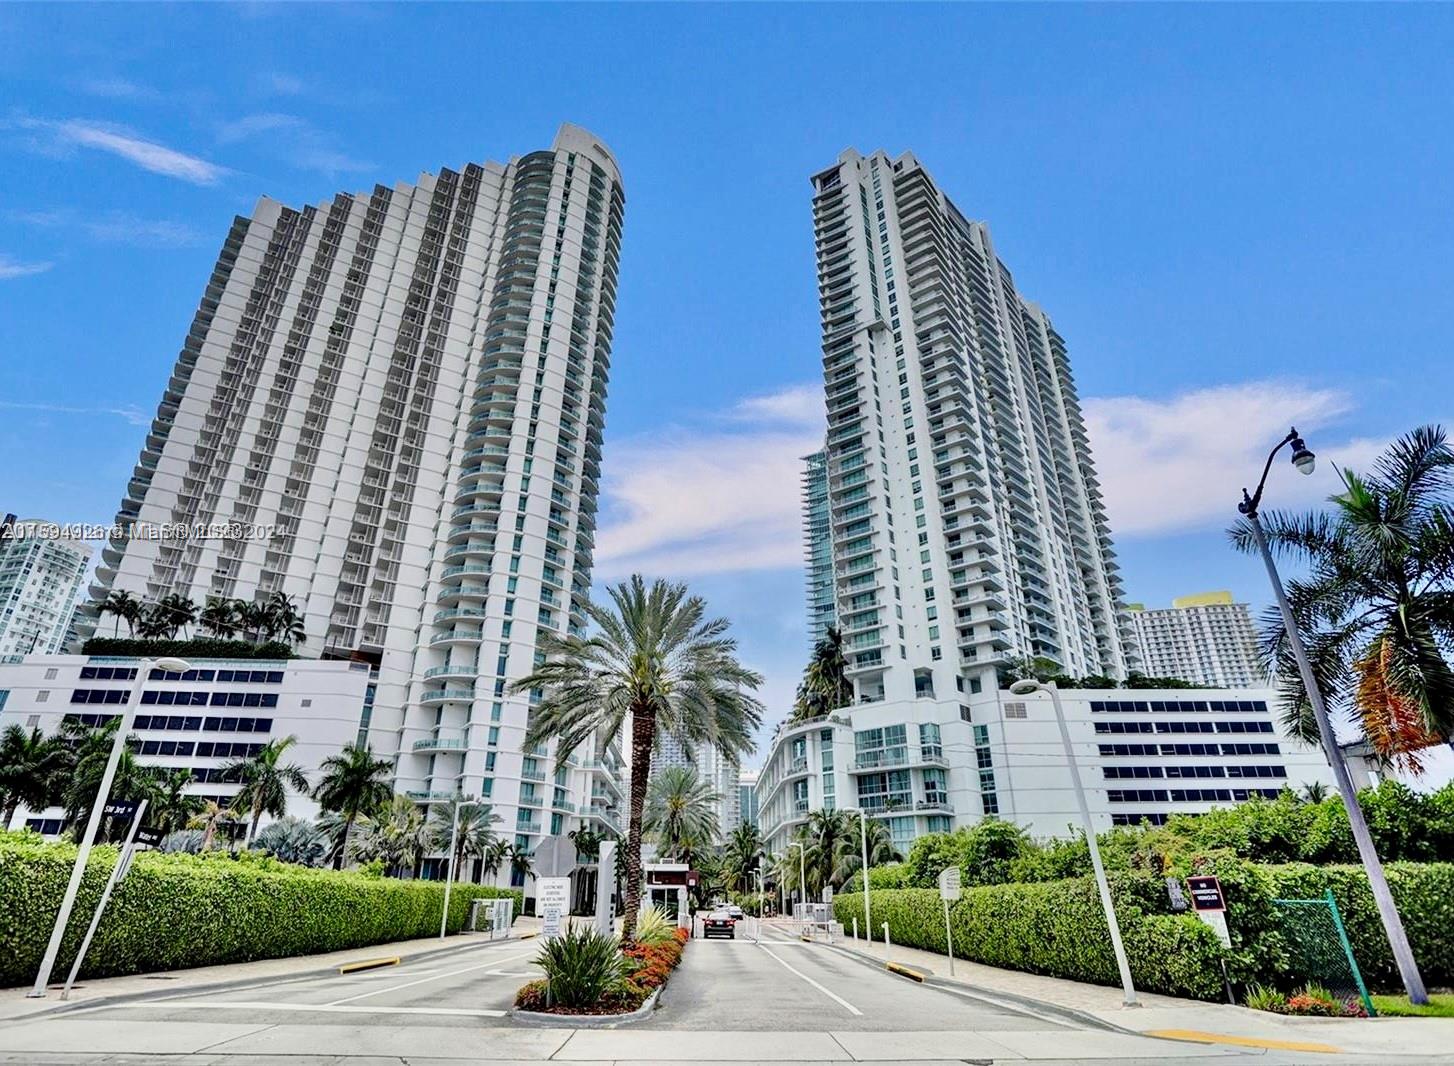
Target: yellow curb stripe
(525, 936)
(904, 971)
(1196, 1037)
(368, 964)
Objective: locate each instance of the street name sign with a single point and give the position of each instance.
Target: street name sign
(949, 884)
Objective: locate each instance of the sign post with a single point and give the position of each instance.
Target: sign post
(1210, 905)
(552, 896)
(118, 872)
(949, 891)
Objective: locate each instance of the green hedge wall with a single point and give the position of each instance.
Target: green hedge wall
(1055, 928)
(178, 911)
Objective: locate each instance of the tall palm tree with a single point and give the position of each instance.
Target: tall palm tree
(32, 766)
(209, 819)
(173, 808)
(354, 783)
(154, 622)
(91, 749)
(743, 856)
(176, 611)
(825, 686)
(681, 811)
(265, 780)
(253, 619)
(657, 660)
(521, 863)
(219, 617)
(475, 834)
(494, 857)
(124, 607)
(283, 620)
(400, 835)
(1376, 607)
(823, 837)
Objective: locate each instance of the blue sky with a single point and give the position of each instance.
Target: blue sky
(1238, 216)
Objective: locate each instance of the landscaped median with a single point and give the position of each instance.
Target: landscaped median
(1057, 927)
(177, 911)
(591, 974)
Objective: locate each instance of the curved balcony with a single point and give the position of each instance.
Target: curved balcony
(439, 742)
(455, 614)
(446, 695)
(448, 670)
(465, 530)
(457, 593)
(457, 636)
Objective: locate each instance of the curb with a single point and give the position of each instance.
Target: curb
(368, 964)
(904, 971)
(161, 995)
(540, 1020)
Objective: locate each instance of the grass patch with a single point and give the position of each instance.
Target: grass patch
(1441, 1005)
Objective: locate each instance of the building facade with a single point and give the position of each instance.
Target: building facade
(220, 710)
(747, 797)
(40, 579)
(817, 536)
(1207, 639)
(390, 406)
(965, 523)
(1142, 755)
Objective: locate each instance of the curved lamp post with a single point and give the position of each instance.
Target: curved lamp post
(1305, 461)
(98, 807)
(1128, 988)
(802, 870)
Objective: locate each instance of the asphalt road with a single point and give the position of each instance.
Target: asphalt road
(731, 1002)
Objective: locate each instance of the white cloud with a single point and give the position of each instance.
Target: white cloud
(295, 139)
(59, 138)
(118, 89)
(11, 267)
(135, 415)
(115, 227)
(1168, 465)
(717, 498)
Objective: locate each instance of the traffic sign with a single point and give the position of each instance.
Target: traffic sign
(1206, 894)
(554, 857)
(949, 884)
(119, 809)
(149, 836)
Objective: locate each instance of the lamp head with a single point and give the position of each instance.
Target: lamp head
(172, 664)
(1025, 686)
(1303, 459)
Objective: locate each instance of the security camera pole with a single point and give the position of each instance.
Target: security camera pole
(1024, 688)
(98, 809)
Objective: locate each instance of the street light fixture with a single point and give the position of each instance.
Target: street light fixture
(863, 840)
(1304, 461)
(449, 871)
(98, 808)
(802, 871)
(1024, 688)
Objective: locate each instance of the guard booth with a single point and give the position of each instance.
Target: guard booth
(666, 888)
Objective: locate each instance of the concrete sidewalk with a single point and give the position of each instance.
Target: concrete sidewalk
(14, 1004)
(1180, 1019)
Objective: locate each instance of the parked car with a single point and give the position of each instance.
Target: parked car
(719, 923)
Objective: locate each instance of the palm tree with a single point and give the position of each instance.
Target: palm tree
(253, 619)
(154, 622)
(743, 856)
(823, 837)
(475, 834)
(354, 783)
(91, 749)
(173, 808)
(881, 850)
(284, 622)
(681, 811)
(32, 766)
(1314, 792)
(825, 686)
(294, 840)
(521, 863)
(1376, 607)
(219, 617)
(209, 819)
(494, 857)
(265, 782)
(124, 606)
(399, 836)
(177, 611)
(658, 660)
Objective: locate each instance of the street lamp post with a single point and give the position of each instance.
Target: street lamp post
(93, 823)
(863, 840)
(1024, 688)
(802, 871)
(449, 862)
(1304, 461)
(761, 902)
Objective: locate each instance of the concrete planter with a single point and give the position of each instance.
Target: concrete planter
(541, 1020)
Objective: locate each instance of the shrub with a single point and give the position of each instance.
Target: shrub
(654, 927)
(582, 967)
(1260, 997)
(1054, 928)
(889, 875)
(175, 911)
(196, 648)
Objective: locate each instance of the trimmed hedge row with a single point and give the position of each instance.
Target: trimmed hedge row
(196, 648)
(177, 911)
(1054, 928)
(1057, 928)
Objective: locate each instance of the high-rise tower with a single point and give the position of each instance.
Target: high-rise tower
(965, 516)
(399, 397)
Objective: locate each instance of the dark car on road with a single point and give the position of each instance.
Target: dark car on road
(719, 923)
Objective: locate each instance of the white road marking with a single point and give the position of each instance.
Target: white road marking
(323, 1008)
(493, 963)
(830, 994)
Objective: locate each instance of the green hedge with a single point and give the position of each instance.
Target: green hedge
(890, 875)
(177, 911)
(195, 648)
(1055, 928)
